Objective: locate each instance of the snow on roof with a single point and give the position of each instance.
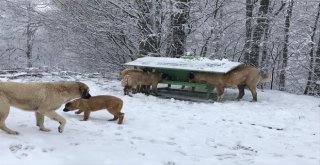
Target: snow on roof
(196, 64)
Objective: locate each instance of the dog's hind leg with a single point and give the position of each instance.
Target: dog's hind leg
(4, 112)
(254, 93)
(40, 122)
(86, 115)
(117, 116)
(54, 116)
(116, 111)
(114, 118)
(121, 116)
(241, 92)
(220, 93)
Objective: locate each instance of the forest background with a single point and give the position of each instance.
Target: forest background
(281, 37)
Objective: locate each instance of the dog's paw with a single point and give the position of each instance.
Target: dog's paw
(60, 129)
(45, 129)
(13, 133)
(236, 99)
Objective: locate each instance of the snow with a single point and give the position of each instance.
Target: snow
(196, 64)
(280, 128)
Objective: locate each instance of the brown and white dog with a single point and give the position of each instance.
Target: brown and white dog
(123, 75)
(242, 76)
(128, 71)
(133, 80)
(111, 103)
(43, 98)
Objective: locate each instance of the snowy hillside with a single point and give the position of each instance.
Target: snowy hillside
(280, 128)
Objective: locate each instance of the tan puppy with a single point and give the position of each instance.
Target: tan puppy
(111, 103)
(41, 98)
(241, 77)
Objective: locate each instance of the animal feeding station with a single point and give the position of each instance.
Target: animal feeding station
(178, 69)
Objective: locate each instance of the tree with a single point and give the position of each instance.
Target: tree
(317, 67)
(314, 71)
(31, 30)
(23, 21)
(248, 39)
(178, 28)
(265, 54)
(282, 76)
(216, 31)
(103, 33)
(259, 28)
(149, 23)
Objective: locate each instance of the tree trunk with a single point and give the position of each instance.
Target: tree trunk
(204, 49)
(29, 47)
(264, 53)
(258, 33)
(317, 65)
(265, 58)
(159, 17)
(218, 33)
(247, 45)
(149, 44)
(179, 20)
(282, 77)
(313, 68)
(30, 34)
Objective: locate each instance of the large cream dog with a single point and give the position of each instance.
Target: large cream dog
(42, 98)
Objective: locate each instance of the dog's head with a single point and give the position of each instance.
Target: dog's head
(84, 91)
(165, 76)
(72, 105)
(191, 77)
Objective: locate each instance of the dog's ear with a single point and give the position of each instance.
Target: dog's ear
(84, 90)
(68, 104)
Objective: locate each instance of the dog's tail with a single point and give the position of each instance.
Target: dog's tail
(264, 77)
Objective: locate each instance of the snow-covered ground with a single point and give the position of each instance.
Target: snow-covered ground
(280, 128)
